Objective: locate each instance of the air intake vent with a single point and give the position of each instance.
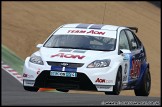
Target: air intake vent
(67, 64)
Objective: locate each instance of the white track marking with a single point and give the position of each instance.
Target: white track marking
(12, 72)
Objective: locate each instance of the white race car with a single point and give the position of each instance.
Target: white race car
(92, 57)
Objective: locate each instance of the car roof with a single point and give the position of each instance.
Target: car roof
(91, 26)
(98, 26)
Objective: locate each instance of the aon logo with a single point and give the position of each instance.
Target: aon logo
(63, 55)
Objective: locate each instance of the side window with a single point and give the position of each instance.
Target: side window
(138, 41)
(132, 41)
(123, 41)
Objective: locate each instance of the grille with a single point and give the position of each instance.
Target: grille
(72, 65)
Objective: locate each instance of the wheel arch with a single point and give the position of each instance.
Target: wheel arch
(120, 67)
(142, 75)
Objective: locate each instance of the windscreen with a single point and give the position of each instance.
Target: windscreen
(81, 42)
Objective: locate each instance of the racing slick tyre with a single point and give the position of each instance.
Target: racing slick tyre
(118, 84)
(62, 90)
(144, 88)
(34, 89)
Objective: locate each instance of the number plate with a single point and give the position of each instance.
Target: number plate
(63, 74)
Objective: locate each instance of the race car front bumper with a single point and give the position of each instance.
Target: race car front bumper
(81, 82)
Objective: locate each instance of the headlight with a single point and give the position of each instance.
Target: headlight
(36, 59)
(99, 63)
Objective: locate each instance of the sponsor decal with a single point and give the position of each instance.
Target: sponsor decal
(103, 80)
(86, 32)
(27, 75)
(125, 70)
(63, 55)
(38, 71)
(125, 73)
(135, 71)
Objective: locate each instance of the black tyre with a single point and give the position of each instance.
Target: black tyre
(62, 90)
(118, 84)
(34, 89)
(144, 89)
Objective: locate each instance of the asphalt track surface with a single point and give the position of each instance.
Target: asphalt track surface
(12, 93)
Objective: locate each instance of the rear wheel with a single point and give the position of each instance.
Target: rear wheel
(62, 90)
(118, 84)
(144, 89)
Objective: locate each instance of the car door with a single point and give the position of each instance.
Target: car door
(124, 44)
(135, 57)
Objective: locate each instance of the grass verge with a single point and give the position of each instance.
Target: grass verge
(10, 58)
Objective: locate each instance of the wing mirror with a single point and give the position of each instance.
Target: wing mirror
(124, 51)
(39, 45)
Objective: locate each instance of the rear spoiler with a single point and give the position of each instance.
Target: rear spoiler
(133, 28)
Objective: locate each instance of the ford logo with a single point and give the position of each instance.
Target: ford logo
(64, 64)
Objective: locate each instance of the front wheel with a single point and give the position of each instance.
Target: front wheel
(118, 84)
(144, 88)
